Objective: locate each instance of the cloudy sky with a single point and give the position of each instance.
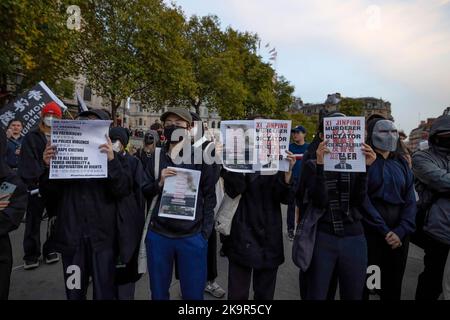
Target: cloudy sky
(398, 50)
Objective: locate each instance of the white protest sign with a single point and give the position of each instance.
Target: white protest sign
(78, 155)
(238, 137)
(271, 143)
(179, 196)
(345, 136)
(255, 145)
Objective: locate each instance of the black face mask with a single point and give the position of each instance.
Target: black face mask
(443, 142)
(168, 132)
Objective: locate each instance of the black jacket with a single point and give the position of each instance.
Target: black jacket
(31, 166)
(256, 237)
(206, 199)
(88, 207)
(131, 217)
(11, 216)
(317, 194)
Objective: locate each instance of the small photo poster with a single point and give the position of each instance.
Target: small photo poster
(345, 136)
(179, 196)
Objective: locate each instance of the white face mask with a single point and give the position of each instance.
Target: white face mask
(117, 146)
(48, 120)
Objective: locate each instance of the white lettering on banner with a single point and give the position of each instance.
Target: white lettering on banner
(74, 278)
(226, 309)
(7, 117)
(374, 280)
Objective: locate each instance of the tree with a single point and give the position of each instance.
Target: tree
(310, 123)
(351, 107)
(132, 48)
(35, 44)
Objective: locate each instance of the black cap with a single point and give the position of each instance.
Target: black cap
(121, 134)
(100, 114)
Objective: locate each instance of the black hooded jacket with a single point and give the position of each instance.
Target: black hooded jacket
(11, 216)
(256, 237)
(31, 166)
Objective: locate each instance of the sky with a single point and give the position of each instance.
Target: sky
(397, 50)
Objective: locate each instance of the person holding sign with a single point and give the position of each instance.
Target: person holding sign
(255, 245)
(131, 219)
(13, 203)
(30, 169)
(86, 224)
(339, 246)
(181, 225)
(390, 207)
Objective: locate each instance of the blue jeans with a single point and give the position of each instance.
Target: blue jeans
(346, 258)
(190, 253)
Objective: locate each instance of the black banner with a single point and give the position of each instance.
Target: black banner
(27, 107)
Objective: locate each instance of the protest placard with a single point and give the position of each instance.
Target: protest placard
(179, 196)
(271, 143)
(238, 137)
(255, 145)
(77, 143)
(345, 136)
(27, 107)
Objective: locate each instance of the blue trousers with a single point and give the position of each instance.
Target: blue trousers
(346, 258)
(190, 253)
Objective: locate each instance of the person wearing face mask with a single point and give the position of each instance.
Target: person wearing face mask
(30, 169)
(390, 208)
(13, 203)
(432, 171)
(151, 141)
(86, 231)
(168, 238)
(332, 201)
(130, 220)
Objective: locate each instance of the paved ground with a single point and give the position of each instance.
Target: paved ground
(46, 282)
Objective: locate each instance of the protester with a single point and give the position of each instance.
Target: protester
(13, 204)
(340, 248)
(432, 171)
(298, 147)
(30, 169)
(14, 143)
(158, 128)
(168, 238)
(86, 226)
(151, 141)
(255, 243)
(130, 220)
(390, 207)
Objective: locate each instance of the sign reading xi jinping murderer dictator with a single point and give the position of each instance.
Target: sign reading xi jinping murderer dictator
(77, 149)
(345, 136)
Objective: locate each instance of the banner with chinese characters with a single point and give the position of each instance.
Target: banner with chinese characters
(27, 107)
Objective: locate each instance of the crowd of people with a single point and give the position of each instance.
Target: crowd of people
(110, 230)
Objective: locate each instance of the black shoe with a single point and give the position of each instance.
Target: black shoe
(291, 235)
(51, 258)
(31, 264)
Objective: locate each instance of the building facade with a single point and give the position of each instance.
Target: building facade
(371, 106)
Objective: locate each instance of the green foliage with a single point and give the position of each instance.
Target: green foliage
(34, 42)
(145, 49)
(351, 107)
